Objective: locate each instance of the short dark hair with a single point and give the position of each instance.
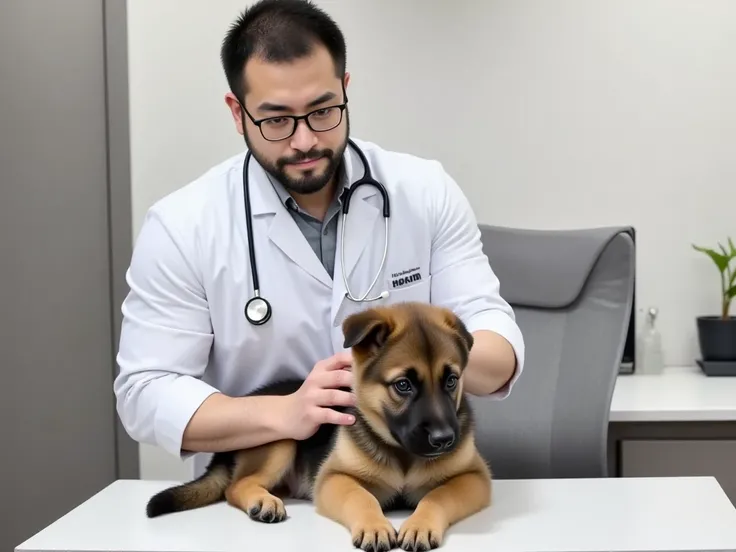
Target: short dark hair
(278, 31)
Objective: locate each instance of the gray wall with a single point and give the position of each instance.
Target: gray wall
(65, 239)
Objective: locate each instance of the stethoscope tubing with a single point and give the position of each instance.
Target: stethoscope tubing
(366, 179)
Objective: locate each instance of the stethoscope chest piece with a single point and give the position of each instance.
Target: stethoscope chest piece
(257, 311)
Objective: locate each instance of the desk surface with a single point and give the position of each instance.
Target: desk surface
(678, 394)
(617, 514)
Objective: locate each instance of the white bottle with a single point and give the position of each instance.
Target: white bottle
(649, 347)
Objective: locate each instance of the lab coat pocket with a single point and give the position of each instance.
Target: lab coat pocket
(417, 291)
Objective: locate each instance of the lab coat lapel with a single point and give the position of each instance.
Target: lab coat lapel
(363, 224)
(360, 226)
(286, 235)
(283, 230)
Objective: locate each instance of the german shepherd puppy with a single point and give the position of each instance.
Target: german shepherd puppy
(411, 446)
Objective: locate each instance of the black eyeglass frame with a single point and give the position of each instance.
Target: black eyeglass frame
(296, 118)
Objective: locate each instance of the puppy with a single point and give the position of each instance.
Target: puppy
(411, 446)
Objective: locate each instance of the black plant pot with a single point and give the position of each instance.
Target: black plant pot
(717, 338)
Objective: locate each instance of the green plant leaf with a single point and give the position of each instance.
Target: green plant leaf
(731, 292)
(733, 248)
(721, 261)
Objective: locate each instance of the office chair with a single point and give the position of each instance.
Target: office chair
(572, 294)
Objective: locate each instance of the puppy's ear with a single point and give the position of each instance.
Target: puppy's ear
(464, 336)
(367, 329)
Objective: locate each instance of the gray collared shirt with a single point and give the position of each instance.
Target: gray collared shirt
(320, 234)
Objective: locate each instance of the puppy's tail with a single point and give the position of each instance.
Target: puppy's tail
(203, 491)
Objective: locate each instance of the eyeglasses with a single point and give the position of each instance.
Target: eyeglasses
(282, 127)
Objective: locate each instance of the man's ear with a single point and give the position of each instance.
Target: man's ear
(367, 329)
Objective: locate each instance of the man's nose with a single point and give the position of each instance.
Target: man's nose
(304, 138)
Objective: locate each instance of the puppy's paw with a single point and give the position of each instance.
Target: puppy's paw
(267, 509)
(375, 535)
(421, 533)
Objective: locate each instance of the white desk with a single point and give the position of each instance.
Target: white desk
(676, 395)
(680, 422)
(634, 514)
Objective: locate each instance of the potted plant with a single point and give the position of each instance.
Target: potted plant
(717, 333)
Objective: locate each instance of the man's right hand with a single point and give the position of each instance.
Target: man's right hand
(310, 406)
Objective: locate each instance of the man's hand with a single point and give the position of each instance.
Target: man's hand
(309, 407)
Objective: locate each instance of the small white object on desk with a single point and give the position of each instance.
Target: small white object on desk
(678, 394)
(617, 514)
(649, 357)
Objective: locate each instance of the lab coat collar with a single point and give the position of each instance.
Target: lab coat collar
(285, 233)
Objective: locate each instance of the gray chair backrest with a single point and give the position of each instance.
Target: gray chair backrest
(572, 292)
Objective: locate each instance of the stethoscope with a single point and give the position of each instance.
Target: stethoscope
(258, 310)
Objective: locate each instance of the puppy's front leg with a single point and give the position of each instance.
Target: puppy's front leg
(343, 499)
(457, 498)
(257, 472)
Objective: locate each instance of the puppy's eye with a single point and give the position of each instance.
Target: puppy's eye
(403, 386)
(451, 382)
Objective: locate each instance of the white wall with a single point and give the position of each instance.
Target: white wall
(531, 105)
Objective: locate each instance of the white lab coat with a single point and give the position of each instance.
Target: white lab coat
(184, 333)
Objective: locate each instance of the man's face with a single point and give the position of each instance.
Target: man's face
(306, 161)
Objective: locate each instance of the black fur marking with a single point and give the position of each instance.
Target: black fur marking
(375, 545)
(365, 329)
(162, 503)
(182, 497)
(310, 454)
(415, 545)
(257, 513)
(369, 442)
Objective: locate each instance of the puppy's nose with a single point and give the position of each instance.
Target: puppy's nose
(441, 438)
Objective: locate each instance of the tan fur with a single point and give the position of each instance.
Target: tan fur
(366, 467)
(352, 484)
(257, 471)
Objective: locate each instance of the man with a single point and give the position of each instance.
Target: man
(187, 355)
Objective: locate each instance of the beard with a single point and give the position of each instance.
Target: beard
(310, 180)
